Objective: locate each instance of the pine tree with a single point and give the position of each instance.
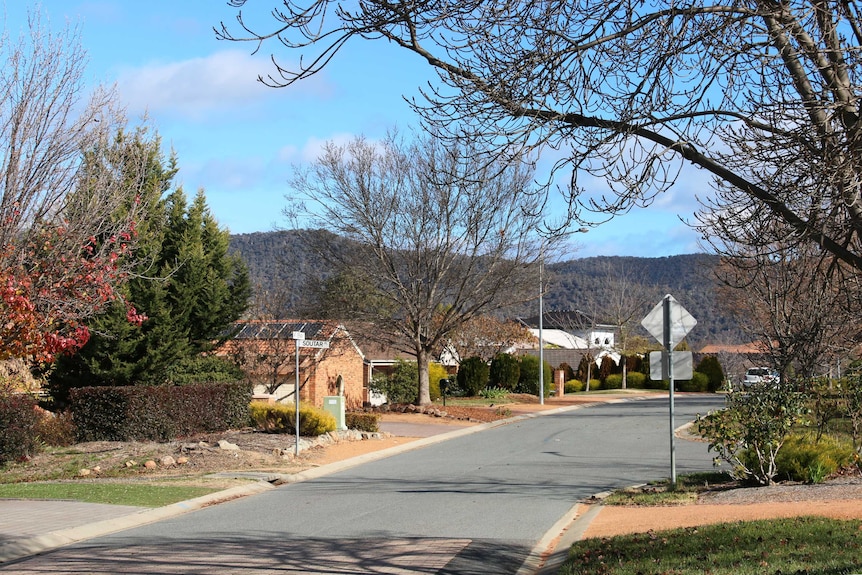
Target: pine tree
(186, 284)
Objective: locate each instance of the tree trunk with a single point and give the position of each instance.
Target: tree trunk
(422, 360)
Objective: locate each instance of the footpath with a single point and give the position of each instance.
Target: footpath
(29, 528)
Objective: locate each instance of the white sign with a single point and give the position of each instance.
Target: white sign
(316, 343)
(681, 321)
(682, 365)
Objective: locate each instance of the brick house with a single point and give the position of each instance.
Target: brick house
(266, 351)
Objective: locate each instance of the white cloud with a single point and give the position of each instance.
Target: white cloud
(198, 88)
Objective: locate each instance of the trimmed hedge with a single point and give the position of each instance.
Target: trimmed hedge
(281, 418)
(18, 427)
(158, 412)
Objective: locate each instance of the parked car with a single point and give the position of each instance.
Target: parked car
(756, 375)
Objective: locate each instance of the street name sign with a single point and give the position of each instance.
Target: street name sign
(315, 343)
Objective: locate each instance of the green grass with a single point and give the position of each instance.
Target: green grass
(801, 546)
(141, 495)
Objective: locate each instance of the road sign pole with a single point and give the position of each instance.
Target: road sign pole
(298, 338)
(668, 346)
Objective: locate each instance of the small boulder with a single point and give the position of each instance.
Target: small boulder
(168, 461)
(150, 464)
(227, 445)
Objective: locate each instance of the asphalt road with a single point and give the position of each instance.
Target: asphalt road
(476, 504)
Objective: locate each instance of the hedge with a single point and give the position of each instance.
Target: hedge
(18, 427)
(158, 412)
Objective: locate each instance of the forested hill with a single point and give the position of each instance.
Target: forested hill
(285, 261)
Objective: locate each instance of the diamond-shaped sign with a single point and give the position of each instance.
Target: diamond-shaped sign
(681, 321)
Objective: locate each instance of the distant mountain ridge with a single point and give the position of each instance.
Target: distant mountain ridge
(285, 260)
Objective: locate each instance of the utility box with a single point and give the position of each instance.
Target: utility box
(334, 404)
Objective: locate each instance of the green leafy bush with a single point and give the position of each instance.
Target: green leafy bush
(281, 418)
(529, 377)
(436, 372)
(699, 382)
(803, 458)
(158, 412)
(18, 427)
(204, 368)
(494, 393)
(505, 371)
(573, 386)
(473, 375)
(750, 431)
(711, 367)
(369, 422)
(402, 385)
(636, 380)
(613, 381)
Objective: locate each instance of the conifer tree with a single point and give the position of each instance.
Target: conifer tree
(186, 285)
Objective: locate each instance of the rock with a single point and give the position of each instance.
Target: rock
(97, 469)
(150, 464)
(227, 445)
(131, 463)
(83, 473)
(182, 460)
(168, 461)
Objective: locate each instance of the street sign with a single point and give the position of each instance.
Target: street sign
(682, 365)
(315, 343)
(681, 321)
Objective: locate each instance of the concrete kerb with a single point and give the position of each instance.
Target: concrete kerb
(20, 549)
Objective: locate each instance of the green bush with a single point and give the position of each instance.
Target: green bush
(360, 421)
(802, 458)
(473, 376)
(204, 368)
(18, 427)
(281, 418)
(529, 378)
(613, 381)
(699, 382)
(157, 412)
(494, 393)
(595, 384)
(635, 380)
(573, 386)
(505, 371)
(710, 366)
(402, 385)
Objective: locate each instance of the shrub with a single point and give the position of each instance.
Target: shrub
(494, 393)
(436, 372)
(698, 382)
(803, 458)
(636, 380)
(595, 384)
(204, 368)
(281, 418)
(402, 385)
(473, 375)
(711, 367)
(369, 422)
(613, 381)
(18, 427)
(505, 371)
(750, 431)
(529, 380)
(573, 386)
(57, 430)
(158, 412)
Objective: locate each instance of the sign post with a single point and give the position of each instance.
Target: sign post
(298, 338)
(669, 323)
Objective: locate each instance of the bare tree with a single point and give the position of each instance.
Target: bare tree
(762, 95)
(440, 236)
(787, 299)
(486, 336)
(67, 196)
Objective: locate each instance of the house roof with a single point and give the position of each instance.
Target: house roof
(282, 329)
(713, 348)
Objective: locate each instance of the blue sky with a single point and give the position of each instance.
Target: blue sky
(238, 140)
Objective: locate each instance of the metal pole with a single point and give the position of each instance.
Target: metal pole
(296, 397)
(668, 346)
(541, 341)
